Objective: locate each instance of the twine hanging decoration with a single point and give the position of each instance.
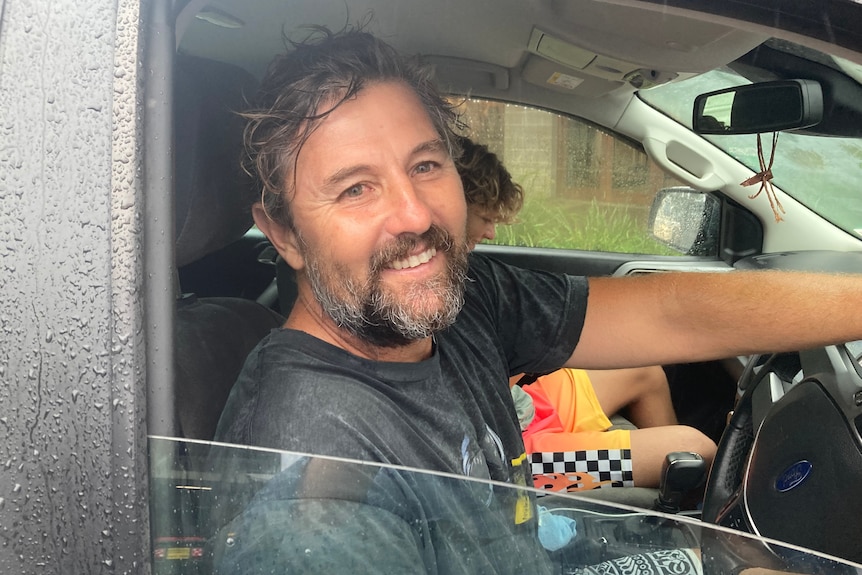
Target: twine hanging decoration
(765, 178)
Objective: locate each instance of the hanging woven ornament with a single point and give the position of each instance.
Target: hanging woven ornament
(765, 178)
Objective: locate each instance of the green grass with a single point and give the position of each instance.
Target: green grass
(583, 226)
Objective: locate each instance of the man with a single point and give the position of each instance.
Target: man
(569, 406)
(400, 346)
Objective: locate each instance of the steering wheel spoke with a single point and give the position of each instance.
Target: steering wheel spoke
(841, 368)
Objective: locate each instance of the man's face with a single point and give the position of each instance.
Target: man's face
(380, 219)
(481, 225)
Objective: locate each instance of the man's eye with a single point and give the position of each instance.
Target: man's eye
(353, 191)
(426, 167)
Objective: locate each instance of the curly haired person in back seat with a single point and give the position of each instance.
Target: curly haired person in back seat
(401, 343)
(568, 408)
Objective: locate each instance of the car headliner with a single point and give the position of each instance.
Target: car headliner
(485, 47)
(491, 48)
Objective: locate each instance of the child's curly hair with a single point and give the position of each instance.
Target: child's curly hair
(487, 184)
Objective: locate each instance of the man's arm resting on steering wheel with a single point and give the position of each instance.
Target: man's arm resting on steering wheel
(681, 317)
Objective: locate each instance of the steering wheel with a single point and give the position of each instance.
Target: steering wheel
(789, 465)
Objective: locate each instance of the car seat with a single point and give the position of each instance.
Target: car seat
(213, 335)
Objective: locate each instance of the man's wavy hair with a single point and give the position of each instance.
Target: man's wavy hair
(487, 183)
(303, 86)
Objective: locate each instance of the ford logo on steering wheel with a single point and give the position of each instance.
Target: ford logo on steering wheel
(793, 476)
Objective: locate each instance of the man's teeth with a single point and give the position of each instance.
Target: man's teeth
(414, 261)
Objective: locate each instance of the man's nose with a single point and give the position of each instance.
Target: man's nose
(409, 210)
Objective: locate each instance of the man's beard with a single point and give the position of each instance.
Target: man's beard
(379, 317)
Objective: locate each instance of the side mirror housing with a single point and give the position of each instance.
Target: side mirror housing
(759, 108)
(686, 220)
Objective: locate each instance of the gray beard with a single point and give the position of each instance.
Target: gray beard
(380, 318)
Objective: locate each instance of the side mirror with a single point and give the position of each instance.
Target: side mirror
(686, 220)
(759, 108)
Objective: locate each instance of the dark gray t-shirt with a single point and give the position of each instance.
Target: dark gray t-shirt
(299, 393)
(451, 413)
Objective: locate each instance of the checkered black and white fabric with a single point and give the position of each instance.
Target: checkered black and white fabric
(582, 470)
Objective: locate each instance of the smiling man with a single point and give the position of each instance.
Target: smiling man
(392, 350)
(380, 356)
(400, 345)
(378, 227)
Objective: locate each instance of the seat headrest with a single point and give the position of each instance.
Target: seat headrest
(213, 194)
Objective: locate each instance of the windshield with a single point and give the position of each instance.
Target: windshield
(227, 509)
(823, 173)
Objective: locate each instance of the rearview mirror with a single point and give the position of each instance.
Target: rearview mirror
(759, 108)
(686, 220)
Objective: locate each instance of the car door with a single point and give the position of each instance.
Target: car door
(72, 357)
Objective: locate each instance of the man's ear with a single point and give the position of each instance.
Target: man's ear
(282, 238)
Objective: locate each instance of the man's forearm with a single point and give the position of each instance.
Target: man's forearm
(679, 317)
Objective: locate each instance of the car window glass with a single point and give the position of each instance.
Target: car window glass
(584, 188)
(225, 509)
(821, 172)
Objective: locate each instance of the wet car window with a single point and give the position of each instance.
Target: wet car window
(221, 508)
(584, 188)
(822, 172)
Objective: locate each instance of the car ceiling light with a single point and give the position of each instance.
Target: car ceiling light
(219, 18)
